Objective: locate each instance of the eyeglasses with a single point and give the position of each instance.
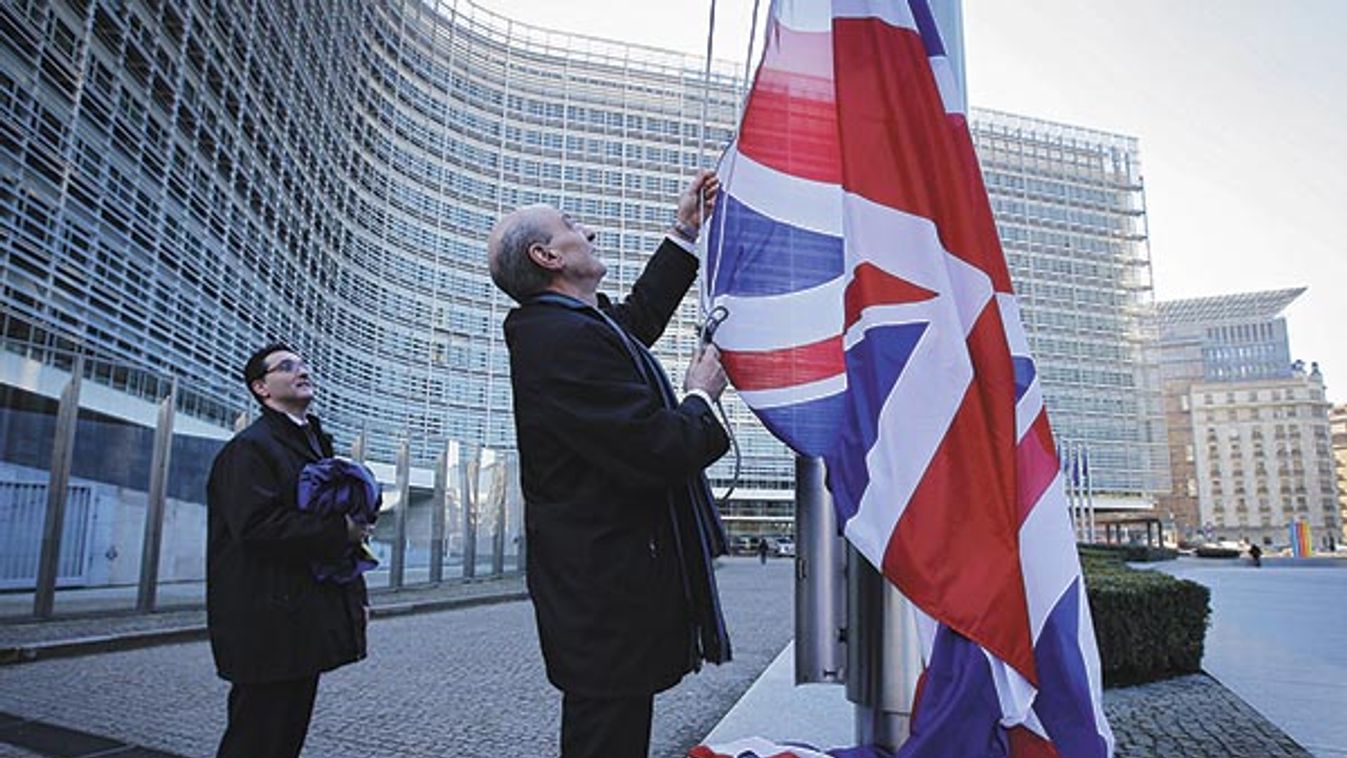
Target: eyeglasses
(288, 366)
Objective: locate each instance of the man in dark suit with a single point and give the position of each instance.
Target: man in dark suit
(273, 626)
(609, 464)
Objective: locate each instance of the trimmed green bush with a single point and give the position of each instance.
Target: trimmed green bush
(1149, 625)
(1132, 553)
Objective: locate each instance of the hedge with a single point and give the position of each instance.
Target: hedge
(1149, 625)
(1133, 553)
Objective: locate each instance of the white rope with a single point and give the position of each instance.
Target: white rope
(704, 301)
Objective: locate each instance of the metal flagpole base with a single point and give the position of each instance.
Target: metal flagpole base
(820, 580)
(883, 655)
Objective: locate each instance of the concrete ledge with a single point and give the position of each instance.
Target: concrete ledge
(98, 644)
(775, 708)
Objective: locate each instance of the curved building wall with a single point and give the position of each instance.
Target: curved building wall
(185, 180)
(181, 180)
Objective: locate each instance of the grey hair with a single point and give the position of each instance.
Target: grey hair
(511, 267)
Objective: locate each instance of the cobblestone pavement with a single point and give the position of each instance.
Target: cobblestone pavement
(1191, 717)
(466, 682)
(470, 682)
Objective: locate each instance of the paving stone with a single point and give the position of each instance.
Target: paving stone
(470, 682)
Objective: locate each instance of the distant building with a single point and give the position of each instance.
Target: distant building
(1248, 428)
(1337, 422)
(1070, 209)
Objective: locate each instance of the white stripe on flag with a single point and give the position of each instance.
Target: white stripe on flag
(1014, 326)
(947, 83)
(1027, 409)
(803, 203)
(776, 322)
(1047, 554)
(803, 15)
(800, 393)
(917, 412)
(890, 12)
(908, 246)
(1013, 692)
(1089, 650)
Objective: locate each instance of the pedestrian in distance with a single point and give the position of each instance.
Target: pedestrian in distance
(619, 523)
(762, 550)
(1256, 553)
(274, 627)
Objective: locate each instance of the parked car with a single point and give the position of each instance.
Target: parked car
(743, 545)
(785, 547)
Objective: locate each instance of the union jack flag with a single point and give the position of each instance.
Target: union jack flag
(871, 321)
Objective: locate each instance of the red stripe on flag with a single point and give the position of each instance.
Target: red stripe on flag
(955, 551)
(774, 369)
(791, 133)
(872, 285)
(790, 121)
(1026, 744)
(1036, 462)
(901, 149)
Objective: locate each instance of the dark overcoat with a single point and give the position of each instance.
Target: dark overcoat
(269, 619)
(602, 462)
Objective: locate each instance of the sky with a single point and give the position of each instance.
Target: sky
(1239, 106)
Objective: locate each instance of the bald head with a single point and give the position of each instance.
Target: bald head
(507, 250)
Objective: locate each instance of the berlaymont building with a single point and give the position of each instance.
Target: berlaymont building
(183, 180)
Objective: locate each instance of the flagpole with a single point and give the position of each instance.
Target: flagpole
(949, 17)
(1070, 475)
(1090, 497)
(1078, 477)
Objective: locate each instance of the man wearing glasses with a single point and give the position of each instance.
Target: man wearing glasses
(273, 627)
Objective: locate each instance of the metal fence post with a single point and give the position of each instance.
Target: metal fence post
(358, 446)
(498, 473)
(397, 566)
(439, 502)
(155, 502)
(470, 465)
(514, 502)
(62, 450)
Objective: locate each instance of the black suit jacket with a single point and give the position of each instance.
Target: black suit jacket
(269, 619)
(602, 460)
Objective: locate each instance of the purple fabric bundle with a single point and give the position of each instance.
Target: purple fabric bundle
(337, 486)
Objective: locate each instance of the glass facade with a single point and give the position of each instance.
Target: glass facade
(1070, 209)
(181, 181)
